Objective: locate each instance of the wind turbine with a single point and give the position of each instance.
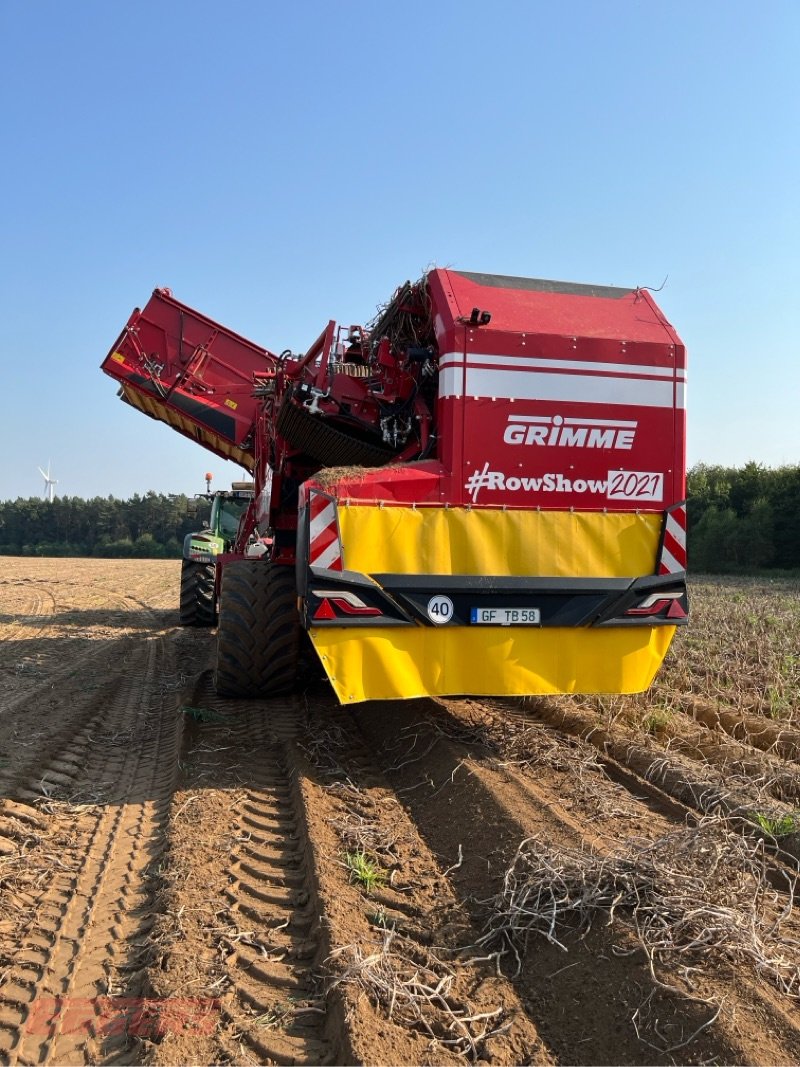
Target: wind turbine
(49, 483)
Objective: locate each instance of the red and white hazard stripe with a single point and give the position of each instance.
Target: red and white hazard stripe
(673, 545)
(324, 541)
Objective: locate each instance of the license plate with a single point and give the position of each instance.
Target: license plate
(506, 616)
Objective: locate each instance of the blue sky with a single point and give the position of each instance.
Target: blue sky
(279, 165)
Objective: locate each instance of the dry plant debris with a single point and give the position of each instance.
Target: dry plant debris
(369, 836)
(697, 896)
(413, 988)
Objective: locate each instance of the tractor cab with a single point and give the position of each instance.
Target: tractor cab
(198, 602)
(227, 509)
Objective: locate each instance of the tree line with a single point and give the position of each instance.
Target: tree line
(743, 519)
(152, 526)
(740, 519)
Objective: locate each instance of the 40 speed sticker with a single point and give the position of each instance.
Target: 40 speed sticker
(440, 609)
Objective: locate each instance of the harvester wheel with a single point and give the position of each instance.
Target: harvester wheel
(259, 630)
(198, 598)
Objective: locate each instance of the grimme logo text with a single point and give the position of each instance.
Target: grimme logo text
(570, 433)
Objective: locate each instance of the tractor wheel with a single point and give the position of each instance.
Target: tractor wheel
(259, 630)
(198, 598)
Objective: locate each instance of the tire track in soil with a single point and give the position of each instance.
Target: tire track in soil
(66, 687)
(33, 607)
(80, 941)
(47, 751)
(27, 621)
(583, 1009)
(242, 884)
(71, 736)
(61, 691)
(256, 882)
(54, 624)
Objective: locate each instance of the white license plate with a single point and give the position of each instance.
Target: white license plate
(506, 616)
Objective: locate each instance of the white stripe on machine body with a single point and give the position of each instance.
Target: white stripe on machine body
(507, 377)
(564, 388)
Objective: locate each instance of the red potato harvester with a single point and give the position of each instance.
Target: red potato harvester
(481, 492)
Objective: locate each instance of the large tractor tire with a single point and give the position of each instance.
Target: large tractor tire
(259, 630)
(198, 597)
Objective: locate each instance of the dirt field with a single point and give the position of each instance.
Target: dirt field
(186, 879)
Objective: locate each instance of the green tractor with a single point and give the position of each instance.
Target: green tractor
(198, 605)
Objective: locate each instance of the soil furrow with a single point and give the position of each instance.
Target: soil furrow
(404, 919)
(697, 777)
(754, 730)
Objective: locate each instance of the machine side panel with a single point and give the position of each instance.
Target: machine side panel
(186, 370)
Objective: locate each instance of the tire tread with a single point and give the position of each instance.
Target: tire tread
(198, 606)
(259, 629)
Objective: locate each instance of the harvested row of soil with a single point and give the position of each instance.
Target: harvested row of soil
(396, 917)
(90, 615)
(413, 813)
(706, 770)
(458, 795)
(740, 649)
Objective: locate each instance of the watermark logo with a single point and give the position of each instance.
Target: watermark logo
(149, 1018)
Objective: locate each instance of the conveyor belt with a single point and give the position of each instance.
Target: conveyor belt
(324, 443)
